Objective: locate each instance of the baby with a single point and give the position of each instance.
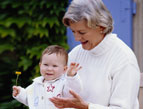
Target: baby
(55, 81)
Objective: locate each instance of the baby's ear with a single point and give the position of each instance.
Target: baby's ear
(39, 64)
(65, 68)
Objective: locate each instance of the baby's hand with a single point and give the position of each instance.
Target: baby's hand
(72, 70)
(16, 91)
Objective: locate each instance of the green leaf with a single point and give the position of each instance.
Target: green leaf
(36, 51)
(6, 31)
(37, 31)
(18, 21)
(53, 20)
(25, 63)
(5, 3)
(6, 47)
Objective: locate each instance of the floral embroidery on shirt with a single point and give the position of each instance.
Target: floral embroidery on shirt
(50, 88)
(59, 95)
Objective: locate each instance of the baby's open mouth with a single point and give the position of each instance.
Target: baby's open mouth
(49, 74)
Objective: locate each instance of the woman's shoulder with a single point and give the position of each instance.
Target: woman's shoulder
(122, 51)
(123, 48)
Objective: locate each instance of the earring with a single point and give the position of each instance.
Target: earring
(101, 32)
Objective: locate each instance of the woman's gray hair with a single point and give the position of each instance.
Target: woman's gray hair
(94, 11)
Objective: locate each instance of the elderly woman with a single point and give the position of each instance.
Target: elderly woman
(110, 72)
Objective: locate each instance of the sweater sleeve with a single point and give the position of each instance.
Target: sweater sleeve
(72, 83)
(124, 91)
(22, 96)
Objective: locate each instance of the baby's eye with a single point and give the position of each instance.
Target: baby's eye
(46, 64)
(55, 66)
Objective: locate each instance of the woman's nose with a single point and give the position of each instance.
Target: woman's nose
(77, 37)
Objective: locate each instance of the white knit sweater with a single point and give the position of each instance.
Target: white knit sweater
(110, 74)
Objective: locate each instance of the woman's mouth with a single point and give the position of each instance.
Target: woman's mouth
(84, 42)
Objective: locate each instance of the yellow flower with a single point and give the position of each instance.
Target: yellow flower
(18, 73)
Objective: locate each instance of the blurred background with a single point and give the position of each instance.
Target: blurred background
(28, 26)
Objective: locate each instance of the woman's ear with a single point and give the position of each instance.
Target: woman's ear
(102, 29)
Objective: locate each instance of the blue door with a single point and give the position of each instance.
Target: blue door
(122, 13)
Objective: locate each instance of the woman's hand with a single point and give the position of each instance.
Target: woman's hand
(75, 102)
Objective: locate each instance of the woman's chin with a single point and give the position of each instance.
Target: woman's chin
(86, 47)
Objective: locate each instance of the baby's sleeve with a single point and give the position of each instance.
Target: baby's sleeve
(22, 96)
(72, 83)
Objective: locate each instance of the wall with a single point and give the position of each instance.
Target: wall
(138, 33)
(138, 42)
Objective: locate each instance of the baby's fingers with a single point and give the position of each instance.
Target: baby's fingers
(78, 68)
(14, 93)
(15, 90)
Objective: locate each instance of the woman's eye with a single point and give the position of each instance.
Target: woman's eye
(82, 33)
(73, 31)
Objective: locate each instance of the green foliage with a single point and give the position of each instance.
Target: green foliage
(26, 28)
(12, 105)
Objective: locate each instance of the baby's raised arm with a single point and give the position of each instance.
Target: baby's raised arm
(73, 68)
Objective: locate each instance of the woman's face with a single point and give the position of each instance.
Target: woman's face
(88, 37)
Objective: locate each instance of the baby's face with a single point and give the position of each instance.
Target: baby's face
(52, 66)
